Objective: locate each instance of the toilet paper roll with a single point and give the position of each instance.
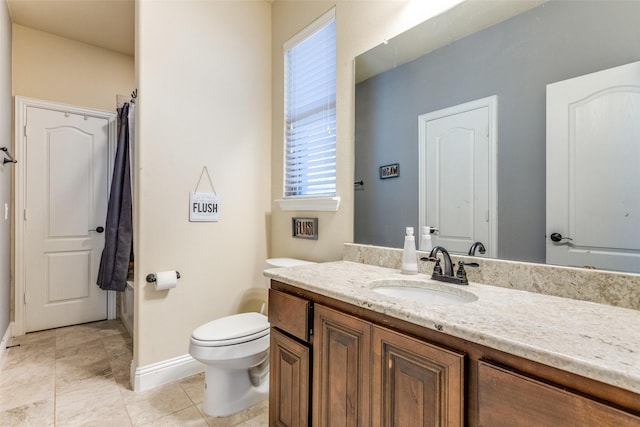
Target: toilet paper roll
(166, 280)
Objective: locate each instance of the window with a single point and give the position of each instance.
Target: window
(310, 111)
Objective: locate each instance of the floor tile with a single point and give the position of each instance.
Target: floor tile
(260, 411)
(146, 406)
(194, 387)
(77, 335)
(115, 415)
(88, 396)
(189, 417)
(23, 393)
(30, 371)
(118, 345)
(43, 338)
(84, 352)
(83, 381)
(38, 413)
(79, 376)
(30, 353)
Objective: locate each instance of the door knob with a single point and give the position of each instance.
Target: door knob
(98, 229)
(557, 237)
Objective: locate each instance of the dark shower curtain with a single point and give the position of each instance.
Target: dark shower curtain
(118, 239)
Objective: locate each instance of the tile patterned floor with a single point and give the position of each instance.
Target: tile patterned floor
(79, 376)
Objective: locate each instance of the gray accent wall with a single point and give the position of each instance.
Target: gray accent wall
(5, 171)
(514, 60)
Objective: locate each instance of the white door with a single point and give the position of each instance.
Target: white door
(457, 176)
(66, 194)
(593, 170)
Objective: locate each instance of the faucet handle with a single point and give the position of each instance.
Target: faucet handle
(468, 264)
(437, 269)
(461, 273)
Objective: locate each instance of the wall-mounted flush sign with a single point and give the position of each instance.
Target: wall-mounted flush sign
(305, 228)
(203, 206)
(390, 171)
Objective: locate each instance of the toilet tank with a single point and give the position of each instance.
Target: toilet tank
(285, 262)
(278, 263)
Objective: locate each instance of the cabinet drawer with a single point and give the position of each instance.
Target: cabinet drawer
(508, 398)
(290, 314)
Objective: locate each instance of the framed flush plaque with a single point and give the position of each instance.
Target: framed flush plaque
(305, 228)
(390, 171)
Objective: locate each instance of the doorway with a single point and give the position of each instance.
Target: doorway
(61, 187)
(457, 175)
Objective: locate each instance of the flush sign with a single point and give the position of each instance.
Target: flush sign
(305, 228)
(203, 207)
(390, 171)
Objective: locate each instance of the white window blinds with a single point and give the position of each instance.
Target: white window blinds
(310, 110)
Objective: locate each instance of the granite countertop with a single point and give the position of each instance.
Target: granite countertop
(596, 341)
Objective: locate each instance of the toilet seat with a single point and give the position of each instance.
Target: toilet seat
(230, 330)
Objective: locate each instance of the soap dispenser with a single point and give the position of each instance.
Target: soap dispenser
(409, 257)
(425, 240)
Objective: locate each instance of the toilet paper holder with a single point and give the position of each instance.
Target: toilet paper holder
(151, 278)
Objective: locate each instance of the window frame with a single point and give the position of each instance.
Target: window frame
(320, 202)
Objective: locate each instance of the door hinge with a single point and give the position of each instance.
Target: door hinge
(24, 298)
(24, 214)
(487, 216)
(25, 130)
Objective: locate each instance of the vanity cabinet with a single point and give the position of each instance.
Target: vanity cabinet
(342, 360)
(414, 383)
(511, 399)
(364, 368)
(363, 374)
(289, 360)
(289, 381)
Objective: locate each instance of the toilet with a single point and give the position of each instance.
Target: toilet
(235, 351)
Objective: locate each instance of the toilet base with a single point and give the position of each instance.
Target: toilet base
(229, 391)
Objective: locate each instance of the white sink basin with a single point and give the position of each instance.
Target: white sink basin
(421, 291)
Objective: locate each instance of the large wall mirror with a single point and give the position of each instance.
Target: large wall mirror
(481, 49)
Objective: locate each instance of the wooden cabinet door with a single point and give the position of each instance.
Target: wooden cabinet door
(288, 381)
(341, 352)
(415, 383)
(510, 399)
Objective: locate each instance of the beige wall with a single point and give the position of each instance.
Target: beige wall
(57, 69)
(5, 170)
(360, 25)
(203, 73)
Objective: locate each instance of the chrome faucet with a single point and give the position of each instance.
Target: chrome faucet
(479, 246)
(460, 277)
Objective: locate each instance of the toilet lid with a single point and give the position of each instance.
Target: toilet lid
(232, 327)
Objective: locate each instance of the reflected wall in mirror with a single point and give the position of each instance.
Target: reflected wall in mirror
(514, 60)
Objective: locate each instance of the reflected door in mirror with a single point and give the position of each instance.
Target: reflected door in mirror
(593, 170)
(455, 183)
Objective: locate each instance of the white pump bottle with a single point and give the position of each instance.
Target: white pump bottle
(425, 240)
(409, 256)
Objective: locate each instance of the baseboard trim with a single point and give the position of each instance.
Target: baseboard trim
(4, 343)
(150, 376)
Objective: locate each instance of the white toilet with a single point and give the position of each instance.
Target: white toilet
(235, 350)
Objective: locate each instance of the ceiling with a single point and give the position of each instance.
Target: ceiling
(105, 23)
